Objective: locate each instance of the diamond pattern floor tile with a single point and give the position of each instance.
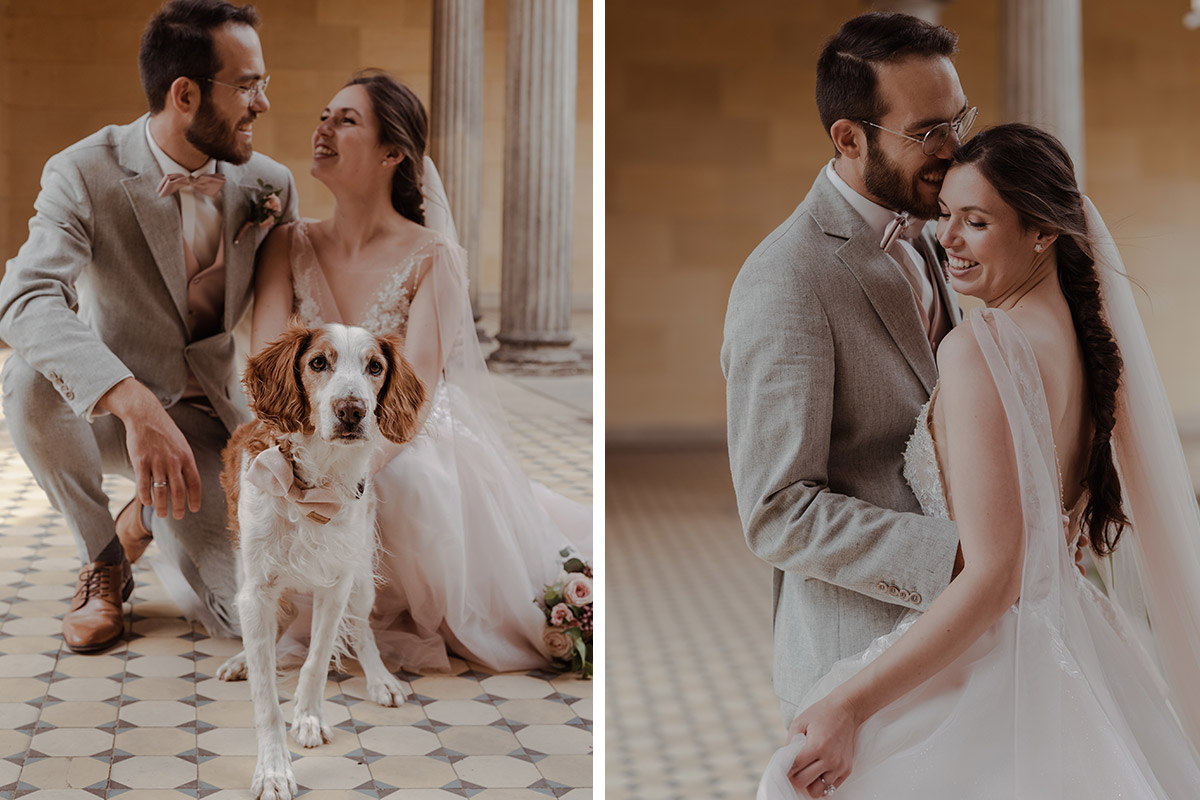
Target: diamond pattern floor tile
(148, 720)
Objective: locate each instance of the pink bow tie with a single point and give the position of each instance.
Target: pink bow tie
(899, 228)
(272, 473)
(209, 184)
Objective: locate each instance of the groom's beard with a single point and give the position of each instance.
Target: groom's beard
(216, 138)
(888, 184)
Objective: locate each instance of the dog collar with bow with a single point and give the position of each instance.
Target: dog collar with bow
(272, 472)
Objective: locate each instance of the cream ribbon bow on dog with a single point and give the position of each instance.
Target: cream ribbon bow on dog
(272, 472)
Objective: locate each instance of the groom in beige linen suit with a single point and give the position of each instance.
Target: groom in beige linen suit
(120, 308)
(829, 354)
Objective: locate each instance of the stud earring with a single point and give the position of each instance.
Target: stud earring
(1037, 248)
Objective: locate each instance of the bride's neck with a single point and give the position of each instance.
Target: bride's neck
(360, 218)
(1041, 283)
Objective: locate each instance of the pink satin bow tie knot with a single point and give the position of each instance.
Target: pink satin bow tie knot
(209, 184)
(899, 228)
(272, 472)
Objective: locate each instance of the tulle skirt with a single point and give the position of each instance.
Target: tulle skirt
(1082, 721)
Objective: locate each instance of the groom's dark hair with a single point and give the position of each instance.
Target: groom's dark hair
(847, 86)
(178, 43)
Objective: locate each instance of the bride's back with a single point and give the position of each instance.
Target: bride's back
(1051, 333)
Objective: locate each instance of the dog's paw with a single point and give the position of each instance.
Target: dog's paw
(309, 730)
(387, 691)
(273, 783)
(234, 669)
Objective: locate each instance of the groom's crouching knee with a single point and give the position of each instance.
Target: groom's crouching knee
(44, 428)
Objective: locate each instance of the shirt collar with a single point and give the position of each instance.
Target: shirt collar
(876, 216)
(169, 165)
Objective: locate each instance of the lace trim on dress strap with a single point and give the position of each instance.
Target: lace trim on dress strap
(389, 312)
(304, 261)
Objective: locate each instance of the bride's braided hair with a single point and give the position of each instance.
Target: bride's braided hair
(404, 125)
(1032, 173)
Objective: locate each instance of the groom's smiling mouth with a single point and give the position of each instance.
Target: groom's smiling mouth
(935, 177)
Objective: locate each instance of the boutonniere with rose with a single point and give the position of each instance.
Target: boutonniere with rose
(265, 211)
(567, 605)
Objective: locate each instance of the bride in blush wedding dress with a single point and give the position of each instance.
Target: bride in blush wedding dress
(467, 541)
(1023, 680)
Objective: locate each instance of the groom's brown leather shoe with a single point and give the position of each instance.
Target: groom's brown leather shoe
(131, 532)
(96, 620)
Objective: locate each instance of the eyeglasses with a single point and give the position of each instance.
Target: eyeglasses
(249, 93)
(936, 137)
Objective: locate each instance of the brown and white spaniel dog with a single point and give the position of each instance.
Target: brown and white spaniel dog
(302, 506)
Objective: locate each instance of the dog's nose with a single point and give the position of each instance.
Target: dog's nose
(350, 411)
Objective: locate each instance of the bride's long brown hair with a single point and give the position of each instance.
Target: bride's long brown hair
(404, 125)
(1033, 173)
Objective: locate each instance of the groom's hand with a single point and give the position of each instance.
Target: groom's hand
(157, 449)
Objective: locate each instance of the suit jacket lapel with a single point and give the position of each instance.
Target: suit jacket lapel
(157, 216)
(887, 290)
(237, 198)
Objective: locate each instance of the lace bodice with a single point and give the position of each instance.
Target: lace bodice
(921, 468)
(384, 311)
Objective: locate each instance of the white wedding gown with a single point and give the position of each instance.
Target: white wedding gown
(467, 541)
(1058, 699)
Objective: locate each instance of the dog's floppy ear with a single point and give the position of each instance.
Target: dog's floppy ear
(272, 381)
(402, 394)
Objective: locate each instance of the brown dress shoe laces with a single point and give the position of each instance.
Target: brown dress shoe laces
(95, 580)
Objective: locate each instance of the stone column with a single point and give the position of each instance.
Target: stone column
(1042, 69)
(456, 122)
(539, 169)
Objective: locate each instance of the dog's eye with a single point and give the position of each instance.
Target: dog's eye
(375, 368)
(317, 364)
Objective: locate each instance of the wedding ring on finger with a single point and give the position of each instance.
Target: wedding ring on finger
(159, 485)
(829, 787)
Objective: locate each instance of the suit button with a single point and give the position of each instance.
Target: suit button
(904, 595)
(915, 599)
(894, 591)
(881, 586)
(70, 395)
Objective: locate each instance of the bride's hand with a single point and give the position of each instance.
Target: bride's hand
(830, 728)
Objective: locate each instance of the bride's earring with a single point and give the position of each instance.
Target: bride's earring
(1037, 248)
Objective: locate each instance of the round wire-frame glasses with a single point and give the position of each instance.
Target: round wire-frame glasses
(249, 93)
(936, 137)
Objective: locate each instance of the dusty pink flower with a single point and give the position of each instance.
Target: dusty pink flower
(578, 590)
(558, 642)
(273, 205)
(561, 615)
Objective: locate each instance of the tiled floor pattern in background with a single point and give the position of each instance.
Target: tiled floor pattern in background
(148, 721)
(690, 710)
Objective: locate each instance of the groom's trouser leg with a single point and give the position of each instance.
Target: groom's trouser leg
(68, 457)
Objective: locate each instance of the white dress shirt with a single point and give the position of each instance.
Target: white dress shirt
(201, 214)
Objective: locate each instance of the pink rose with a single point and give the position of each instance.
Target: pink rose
(578, 591)
(561, 615)
(558, 642)
(273, 205)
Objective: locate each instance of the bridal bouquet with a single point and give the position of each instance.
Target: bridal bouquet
(567, 604)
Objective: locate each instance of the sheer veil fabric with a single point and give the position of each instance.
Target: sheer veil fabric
(1059, 699)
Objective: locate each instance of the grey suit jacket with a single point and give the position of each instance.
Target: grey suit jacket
(826, 365)
(98, 291)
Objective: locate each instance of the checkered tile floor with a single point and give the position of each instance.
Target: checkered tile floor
(690, 710)
(148, 719)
